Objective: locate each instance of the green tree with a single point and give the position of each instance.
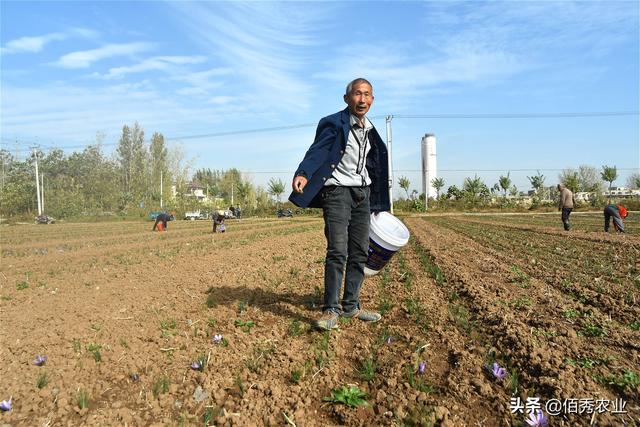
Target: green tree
(537, 182)
(140, 180)
(404, 183)
(474, 190)
(609, 174)
(276, 188)
(229, 184)
(124, 154)
(505, 183)
(158, 154)
(244, 190)
(437, 183)
(570, 179)
(18, 194)
(513, 191)
(453, 192)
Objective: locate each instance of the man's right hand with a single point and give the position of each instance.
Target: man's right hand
(299, 183)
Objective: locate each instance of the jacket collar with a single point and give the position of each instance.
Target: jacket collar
(346, 125)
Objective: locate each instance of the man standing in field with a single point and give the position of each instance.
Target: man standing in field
(345, 172)
(617, 212)
(565, 204)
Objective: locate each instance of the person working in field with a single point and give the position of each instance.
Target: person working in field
(617, 212)
(565, 204)
(162, 218)
(345, 172)
(218, 223)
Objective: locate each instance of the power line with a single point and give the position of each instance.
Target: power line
(516, 116)
(398, 116)
(504, 169)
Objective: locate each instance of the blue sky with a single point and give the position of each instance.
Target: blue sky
(73, 69)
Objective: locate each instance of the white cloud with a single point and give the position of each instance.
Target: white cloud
(31, 44)
(159, 63)
(35, 44)
(68, 115)
(203, 83)
(84, 59)
(267, 45)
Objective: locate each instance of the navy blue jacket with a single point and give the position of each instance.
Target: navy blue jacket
(324, 155)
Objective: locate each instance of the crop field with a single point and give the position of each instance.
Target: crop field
(186, 327)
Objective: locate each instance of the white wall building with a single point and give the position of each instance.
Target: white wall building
(429, 164)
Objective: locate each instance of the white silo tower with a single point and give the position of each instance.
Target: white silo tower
(429, 165)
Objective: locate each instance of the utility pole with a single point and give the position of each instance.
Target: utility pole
(42, 189)
(231, 193)
(2, 189)
(35, 155)
(388, 119)
(160, 189)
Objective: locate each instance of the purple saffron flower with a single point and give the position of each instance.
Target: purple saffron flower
(498, 372)
(5, 405)
(217, 339)
(197, 365)
(538, 419)
(421, 367)
(39, 360)
(390, 339)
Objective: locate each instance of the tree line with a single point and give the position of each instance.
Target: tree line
(128, 182)
(125, 183)
(474, 192)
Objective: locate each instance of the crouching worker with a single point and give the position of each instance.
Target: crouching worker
(345, 173)
(164, 218)
(218, 223)
(617, 212)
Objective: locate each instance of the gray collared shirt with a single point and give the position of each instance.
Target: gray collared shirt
(352, 169)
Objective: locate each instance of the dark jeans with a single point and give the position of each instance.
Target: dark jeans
(565, 218)
(346, 227)
(610, 212)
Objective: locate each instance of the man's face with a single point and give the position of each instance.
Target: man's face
(360, 99)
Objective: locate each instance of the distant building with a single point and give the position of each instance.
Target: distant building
(621, 192)
(582, 196)
(429, 165)
(196, 190)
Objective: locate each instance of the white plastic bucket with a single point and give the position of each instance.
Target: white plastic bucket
(387, 235)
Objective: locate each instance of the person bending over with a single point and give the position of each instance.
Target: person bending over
(617, 212)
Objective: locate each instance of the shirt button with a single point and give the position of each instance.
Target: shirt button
(341, 151)
(333, 166)
(324, 179)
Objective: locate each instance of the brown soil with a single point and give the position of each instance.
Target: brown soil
(121, 313)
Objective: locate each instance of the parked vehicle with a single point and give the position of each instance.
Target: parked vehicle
(192, 215)
(44, 219)
(284, 213)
